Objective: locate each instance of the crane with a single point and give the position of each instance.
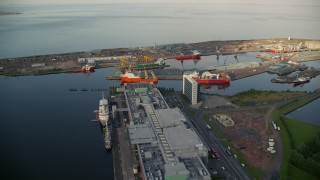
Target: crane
(123, 63)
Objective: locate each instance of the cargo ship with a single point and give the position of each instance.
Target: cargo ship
(130, 77)
(85, 68)
(196, 55)
(207, 78)
(156, 65)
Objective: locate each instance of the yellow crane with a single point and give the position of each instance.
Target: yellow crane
(146, 74)
(153, 75)
(146, 59)
(123, 63)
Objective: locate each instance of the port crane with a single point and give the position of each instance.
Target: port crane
(124, 63)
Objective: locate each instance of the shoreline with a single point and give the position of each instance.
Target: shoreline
(3, 13)
(61, 63)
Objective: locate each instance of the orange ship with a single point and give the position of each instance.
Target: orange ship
(129, 77)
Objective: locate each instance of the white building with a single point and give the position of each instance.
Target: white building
(190, 88)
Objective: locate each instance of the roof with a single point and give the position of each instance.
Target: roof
(175, 169)
(141, 133)
(182, 138)
(170, 117)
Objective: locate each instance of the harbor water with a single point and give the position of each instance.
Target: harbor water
(46, 130)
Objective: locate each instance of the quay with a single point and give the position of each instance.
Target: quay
(153, 141)
(104, 58)
(235, 73)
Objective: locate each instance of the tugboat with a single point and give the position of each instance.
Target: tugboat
(84, 69)
(301, 80)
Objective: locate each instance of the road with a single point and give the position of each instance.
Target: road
(228, 165)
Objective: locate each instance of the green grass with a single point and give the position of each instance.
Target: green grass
(252, 97)
(298, 174)
(300, 132)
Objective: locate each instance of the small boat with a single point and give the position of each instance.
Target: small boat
(196, 55)
(301, 80)
(85, 68)
(211, 78)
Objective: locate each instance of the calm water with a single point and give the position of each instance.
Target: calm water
(46, 131)
(308, 113)
(48, 29)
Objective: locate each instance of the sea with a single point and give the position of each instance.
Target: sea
(48, 132)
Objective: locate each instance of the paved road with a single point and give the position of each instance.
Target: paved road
(124, 154)
(228, 165)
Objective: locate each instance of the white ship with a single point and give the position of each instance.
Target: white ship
(103, 110)
(107, 136)
(105, 122)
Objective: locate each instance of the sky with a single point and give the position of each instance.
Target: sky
(315, 2)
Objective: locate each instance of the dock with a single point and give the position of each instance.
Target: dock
(105, 58)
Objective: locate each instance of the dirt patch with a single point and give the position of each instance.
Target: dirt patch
(250, 137)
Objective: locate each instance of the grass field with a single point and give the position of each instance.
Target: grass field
(252, 97)
(300, 133)
(253, 171)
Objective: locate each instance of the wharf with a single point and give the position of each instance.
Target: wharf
(122, 154)
(105, 58)
(310, 73)
(235, 74)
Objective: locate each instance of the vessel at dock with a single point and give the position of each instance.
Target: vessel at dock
(155, 65)
(207, 78)
(85, 68)
(108, 135)
(103, 113)
(105, 122)
(301, 80)
(196, 55)
(130, 77)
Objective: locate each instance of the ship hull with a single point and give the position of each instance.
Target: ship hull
(137, 80)
(297, 83)
(197, 57)
(212, 81)
(84, 70)
(141, 67)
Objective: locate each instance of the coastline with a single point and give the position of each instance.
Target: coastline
(65, 62)
(3, 13)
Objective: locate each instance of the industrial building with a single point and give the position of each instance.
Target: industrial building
(191, 88)
(166, 148)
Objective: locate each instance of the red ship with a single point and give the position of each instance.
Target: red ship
(210, 78)
(85, 68)
(130, 77)
(196, 55)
